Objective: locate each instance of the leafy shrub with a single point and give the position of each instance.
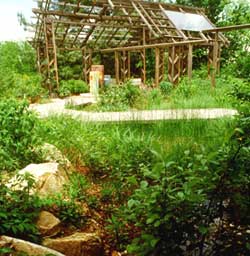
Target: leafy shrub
(242, 66)
(64, 91)
(18, 77)
(186, 88)
(240, 91)
(72, 87)
(70, 65)
(22, 86)
(19, 209)
(177, 203)
(119, 97)
(68, 211)
(16, 57)
(26, 86)
(17, 135)
(166, 87)
(154, 97)
(174, 195)
(67, 205)
(77, 187)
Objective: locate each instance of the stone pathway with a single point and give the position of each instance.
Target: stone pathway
(57, 107)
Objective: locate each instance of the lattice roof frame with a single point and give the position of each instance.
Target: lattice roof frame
(122, 27)
(105, 24)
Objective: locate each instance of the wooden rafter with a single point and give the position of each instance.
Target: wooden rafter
(116, 26)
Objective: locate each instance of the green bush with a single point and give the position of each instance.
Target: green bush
(187, 88)
(154, 97)
(240, 91)
(166, 87)
(18, 77)
(22, 86)
(68, 211)
(242, 66)
(16, 57)
(19, 210)
(17, 135)
(122, 97)
(174, 197)
(70, 87)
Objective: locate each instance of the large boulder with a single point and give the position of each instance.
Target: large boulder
(48, 224)
(26, 247)
(49, 178)
(78, 244)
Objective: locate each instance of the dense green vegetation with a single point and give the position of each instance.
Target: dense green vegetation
(18, 77)
(187, 95)
(18, 137)
(165, 199)
(161, 188)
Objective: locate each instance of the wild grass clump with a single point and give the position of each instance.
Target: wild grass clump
(103, 147)
(124, 146)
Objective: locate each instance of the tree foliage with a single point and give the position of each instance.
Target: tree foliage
(18, 77)
(16, 57)
(237, 56)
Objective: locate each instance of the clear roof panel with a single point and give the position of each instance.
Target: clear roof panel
(188, 21)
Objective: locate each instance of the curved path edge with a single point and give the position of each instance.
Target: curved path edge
(58, 108)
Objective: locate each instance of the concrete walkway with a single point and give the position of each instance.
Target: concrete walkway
(57, 107)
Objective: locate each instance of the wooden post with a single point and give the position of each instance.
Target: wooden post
(55, 56)
(117, 67)
(157, 66)
(184, 60)
(87, 62)
(162, 64)
(47, 56)
(83, 65)
(143, 58)
(190, 60)
(173, 64)
(177, 63)
(38, 59)
(124, 66)
(129, 65)
(215, 60)
(219, 59)
(210, 61)
(143, 68)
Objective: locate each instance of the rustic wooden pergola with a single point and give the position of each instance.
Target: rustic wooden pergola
(121, 27)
